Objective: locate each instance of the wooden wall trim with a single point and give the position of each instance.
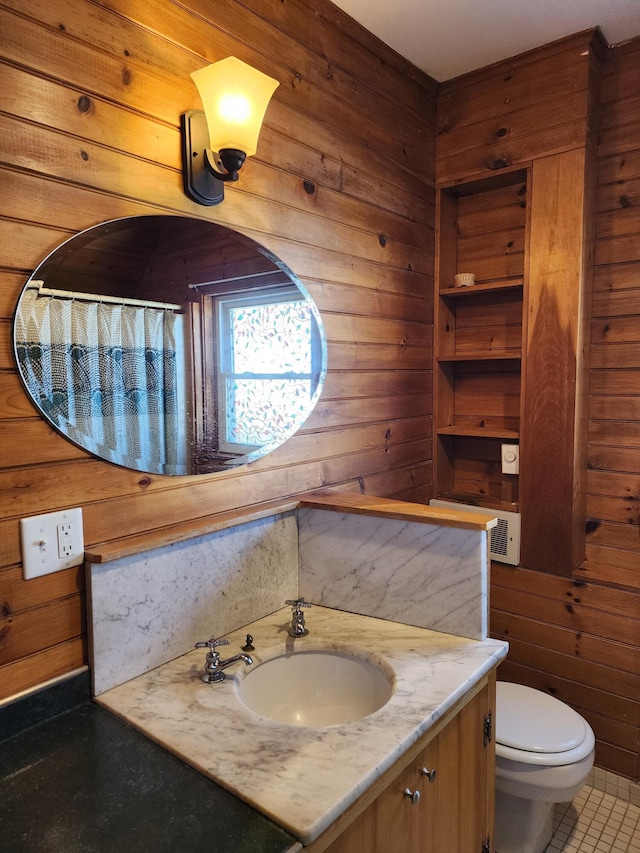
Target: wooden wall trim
(89, 113)
(552, 442)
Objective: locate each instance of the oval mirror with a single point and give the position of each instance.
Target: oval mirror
(169, 345)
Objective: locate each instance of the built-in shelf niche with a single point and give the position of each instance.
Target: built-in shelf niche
(482, 228)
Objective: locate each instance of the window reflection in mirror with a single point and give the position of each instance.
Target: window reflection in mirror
(169, 345)
(270, 361)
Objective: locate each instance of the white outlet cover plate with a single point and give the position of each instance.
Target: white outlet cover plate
(40, 542)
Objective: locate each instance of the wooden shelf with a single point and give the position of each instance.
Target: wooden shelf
(483, 287)
(470, 432)
(507, 355)
(481, 226)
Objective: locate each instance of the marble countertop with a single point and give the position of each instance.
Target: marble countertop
(303, 778)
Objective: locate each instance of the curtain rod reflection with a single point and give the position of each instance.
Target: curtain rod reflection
(230, 279)
(97, 297)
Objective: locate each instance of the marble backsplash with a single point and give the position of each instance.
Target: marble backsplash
(426, 575)
(149, 608)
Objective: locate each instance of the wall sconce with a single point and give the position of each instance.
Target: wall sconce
(235, 97)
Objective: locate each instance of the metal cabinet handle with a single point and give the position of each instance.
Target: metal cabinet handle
(414, 796)
(430, 774)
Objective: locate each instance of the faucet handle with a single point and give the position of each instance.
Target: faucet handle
(211, 644)
(297, 603)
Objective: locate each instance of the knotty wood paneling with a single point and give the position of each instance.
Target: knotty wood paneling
(613, 532)
(528, 107)
(579, 642)
(90, 104)
(89, 113)
(575, 637)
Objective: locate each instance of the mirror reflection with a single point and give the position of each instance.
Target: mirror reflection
(169, 345)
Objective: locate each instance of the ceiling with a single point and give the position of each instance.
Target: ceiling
(446, 38)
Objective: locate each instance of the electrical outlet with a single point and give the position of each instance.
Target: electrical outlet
(65, 540)
(51, 542)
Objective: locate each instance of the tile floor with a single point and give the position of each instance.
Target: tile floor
(603, 818)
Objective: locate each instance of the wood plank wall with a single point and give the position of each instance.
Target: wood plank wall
(577, 638)
(341, 189)
(613, 484)
(613, 540)
(89, 105)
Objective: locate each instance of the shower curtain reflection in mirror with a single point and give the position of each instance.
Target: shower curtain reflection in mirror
(110, 376)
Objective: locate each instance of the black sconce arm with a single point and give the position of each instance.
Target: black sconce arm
(231, 158)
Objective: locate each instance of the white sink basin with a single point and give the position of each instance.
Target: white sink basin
(316, 688)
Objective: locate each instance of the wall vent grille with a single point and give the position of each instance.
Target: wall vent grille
(500, 537)
(504, 544)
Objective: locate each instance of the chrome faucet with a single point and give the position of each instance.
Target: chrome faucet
(298, 628)
(213, 666)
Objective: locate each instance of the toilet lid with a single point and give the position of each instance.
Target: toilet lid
(533, 721)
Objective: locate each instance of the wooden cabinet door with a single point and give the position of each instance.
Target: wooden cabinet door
(360, 836)
(399, 821)
(454, 812)
(440, 824)
(477, 770)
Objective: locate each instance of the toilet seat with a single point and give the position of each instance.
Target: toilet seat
(535, 728)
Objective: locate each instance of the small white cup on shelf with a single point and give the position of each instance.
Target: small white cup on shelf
(465, 279)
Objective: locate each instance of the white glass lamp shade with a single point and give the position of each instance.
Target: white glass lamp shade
(235, 97)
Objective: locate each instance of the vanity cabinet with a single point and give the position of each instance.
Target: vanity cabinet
(482, 229)
(454, 810)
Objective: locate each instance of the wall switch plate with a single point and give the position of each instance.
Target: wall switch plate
(510, 459)
(51, 542)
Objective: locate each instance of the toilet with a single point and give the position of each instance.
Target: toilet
(544, 752)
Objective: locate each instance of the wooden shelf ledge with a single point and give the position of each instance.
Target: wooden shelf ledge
(506, 355)
(336, 501)
(482, 287)
(479, 432)
(389, 508)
